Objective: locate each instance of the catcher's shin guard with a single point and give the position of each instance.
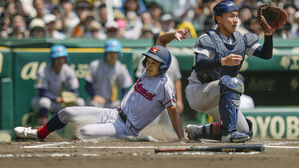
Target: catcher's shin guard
(206, 131)
(231, 90)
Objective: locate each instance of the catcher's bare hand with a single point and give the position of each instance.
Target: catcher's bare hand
(231, 60)
(181, 34)
(99, 99)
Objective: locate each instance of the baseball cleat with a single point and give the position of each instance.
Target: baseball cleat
(192, 131)
(26, 132)
(235, 137)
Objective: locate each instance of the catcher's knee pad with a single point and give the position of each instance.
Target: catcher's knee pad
(44, 102)
(231, 90)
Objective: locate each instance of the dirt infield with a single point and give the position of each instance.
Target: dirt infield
(131, 153)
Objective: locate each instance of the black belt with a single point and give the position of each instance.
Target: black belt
(124, 118)
(122, 115)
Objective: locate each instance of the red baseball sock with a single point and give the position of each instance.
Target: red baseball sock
(43, 132)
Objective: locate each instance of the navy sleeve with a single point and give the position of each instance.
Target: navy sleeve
(89, 89)
(265, 52)
(75, 91)
(44, 93)
(208, 63)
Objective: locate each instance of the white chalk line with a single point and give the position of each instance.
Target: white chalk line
(52, 146)
(47, 155)
(47, 145)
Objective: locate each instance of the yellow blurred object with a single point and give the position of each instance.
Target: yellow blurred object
(68, 99)
(89, 1)
(114, 93)
(190, 26)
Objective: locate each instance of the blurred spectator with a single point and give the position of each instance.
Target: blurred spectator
(106, 7)
(167, 23)
(284, 31)
(28, 8)
(245, 14)
(37, 28)
(112, 30)
(11, 9)
(20, 10)
(70, 18)
(40, 7)
(19, 27)
(103, 15)
(147, 20)
(95, 30)
(5, 25)
(208, 17)
(59, 19)
(50, 4)
(147, 32)
(295, 27)
(156, 11)
(290, 10)
(133, 26)
(50, 21)
(83, 9)
(136, 6)
(186, 10)
(253, 26)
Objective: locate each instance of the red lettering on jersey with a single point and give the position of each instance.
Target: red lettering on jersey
(145, 93)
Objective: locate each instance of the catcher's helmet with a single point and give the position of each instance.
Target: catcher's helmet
(113, 46)
(224, 7)
(160, 54)
(58, 51)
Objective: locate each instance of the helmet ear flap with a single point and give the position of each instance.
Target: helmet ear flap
(144, 62)
(163, 68)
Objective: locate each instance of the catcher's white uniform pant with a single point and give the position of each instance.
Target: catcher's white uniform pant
(205, 98)
(53, 107)
(97, 122)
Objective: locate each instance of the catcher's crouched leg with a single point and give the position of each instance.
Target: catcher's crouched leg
(231, 89)
(206, 131)
(210, 131)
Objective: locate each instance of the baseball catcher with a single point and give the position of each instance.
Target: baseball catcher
(214, 87)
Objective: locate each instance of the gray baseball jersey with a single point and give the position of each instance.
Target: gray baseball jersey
(104, 77)
(52, 82)
(147, 99)
(173, 72)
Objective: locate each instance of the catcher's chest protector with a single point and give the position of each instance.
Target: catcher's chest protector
(223, 49)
